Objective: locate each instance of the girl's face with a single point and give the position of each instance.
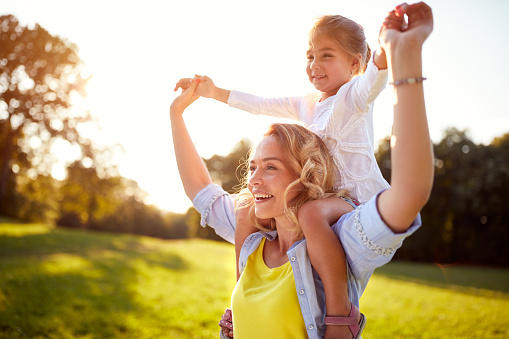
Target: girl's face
(329, 67)
(269, 178)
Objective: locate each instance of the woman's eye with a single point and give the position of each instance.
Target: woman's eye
(252, 169)
(270, 167)
(327, 56)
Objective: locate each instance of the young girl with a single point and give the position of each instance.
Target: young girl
(348, 81)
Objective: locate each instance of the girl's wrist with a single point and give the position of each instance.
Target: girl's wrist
(380, 59)
(221, 94)
(216, 93)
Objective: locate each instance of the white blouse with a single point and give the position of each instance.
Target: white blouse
(343, 121)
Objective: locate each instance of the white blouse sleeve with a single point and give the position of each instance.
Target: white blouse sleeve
(361, 92)
(288, 107)
(216, 207)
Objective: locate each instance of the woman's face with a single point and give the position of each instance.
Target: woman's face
(269, 177)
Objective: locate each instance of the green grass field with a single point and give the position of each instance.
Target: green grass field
(59, 283)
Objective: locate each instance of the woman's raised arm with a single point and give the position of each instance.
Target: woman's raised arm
(193, 172)
(411, 147)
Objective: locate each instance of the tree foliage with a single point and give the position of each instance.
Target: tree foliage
(229, 171)
(467, 216)
(39, 74)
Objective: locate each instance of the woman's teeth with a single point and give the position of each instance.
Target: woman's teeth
(262, 196)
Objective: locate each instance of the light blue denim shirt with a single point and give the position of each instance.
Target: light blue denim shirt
(367, 241)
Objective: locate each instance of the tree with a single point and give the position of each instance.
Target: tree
(88, 197)
(466, 217)
(39, 74)
(37, 200)
(229, 170)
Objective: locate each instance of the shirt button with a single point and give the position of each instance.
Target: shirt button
(293, 259)
(301, 292)
(310, 327)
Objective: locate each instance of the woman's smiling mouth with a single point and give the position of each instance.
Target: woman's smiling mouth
(262, 197)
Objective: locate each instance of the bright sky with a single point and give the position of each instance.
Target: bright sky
(137, 51)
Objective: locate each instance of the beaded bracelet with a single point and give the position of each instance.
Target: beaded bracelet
(409, 81)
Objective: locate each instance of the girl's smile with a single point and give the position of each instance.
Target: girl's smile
(329, 67)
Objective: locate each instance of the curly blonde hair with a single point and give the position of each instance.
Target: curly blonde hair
(309, 158)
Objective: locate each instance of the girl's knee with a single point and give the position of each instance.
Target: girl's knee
(311, 214)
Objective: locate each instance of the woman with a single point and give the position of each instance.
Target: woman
(370, 234)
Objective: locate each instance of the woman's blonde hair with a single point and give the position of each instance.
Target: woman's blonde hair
(309, 158)
(347, 33)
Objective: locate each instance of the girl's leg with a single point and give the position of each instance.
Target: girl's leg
(328, 257)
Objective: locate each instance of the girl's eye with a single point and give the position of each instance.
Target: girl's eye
(252, 169)
(327, 56)
(310, 57)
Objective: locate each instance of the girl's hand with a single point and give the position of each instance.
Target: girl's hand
(226, 323)
(396, 30)
(392, 21)
(206, 87)
(186, 98)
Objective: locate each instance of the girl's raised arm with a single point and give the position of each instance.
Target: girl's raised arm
(411, 146)
(193, 172)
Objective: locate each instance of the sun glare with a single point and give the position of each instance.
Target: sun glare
(65, 153)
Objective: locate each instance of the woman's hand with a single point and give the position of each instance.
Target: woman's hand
(395, 30)
(186, 98)
(183, 83)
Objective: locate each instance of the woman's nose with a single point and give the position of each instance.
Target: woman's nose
(254, 179)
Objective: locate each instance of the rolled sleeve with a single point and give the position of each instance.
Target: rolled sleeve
(375, 234)
(217, 210)
(368, 242)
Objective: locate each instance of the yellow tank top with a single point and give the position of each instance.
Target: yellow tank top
(265, 303)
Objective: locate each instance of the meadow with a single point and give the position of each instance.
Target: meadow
(62, 283)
